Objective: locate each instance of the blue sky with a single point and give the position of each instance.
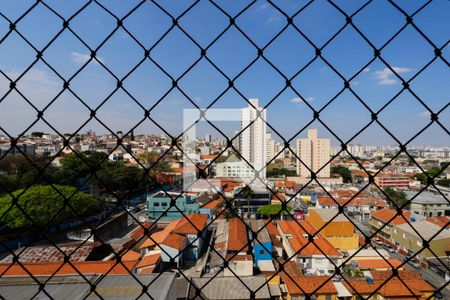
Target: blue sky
(348, 53)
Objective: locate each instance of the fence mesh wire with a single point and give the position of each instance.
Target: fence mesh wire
(36, 54)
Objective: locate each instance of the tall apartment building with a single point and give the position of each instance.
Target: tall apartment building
(271, 147)
(314, 153)
(252, 144)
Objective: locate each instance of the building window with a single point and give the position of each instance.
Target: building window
(261, 251)
(164, 204)
(156, 204)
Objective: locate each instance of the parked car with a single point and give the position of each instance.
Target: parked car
(378, 241)
(390, 249)
(438, 295)
(413, 262)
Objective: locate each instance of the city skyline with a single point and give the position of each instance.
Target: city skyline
(288, 113)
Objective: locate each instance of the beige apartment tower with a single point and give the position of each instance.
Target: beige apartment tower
(314, 153)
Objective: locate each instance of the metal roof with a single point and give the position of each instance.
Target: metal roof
(232, 288)
(426, 198)
(426, 229)
(108, 287)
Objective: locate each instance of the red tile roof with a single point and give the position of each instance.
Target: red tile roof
(441, 221)
(149, 260)
(385, 215)
(237, 235)
(394, 287)
(175, 241)
(131, 255)
(191, 224)
(158, 237)
(379, 263)
(299, 239)
(360, 173)
(138, 232)
(213, 204)
(59, 268)
(299, 285)
(271, 228)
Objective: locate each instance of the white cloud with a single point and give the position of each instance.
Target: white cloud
(387, 77)
(274, 18)
(425, 114)
(366, 69)
(300, 100)
(264, 6)
(81, 58)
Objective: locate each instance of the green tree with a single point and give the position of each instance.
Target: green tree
(277, 172)
(342, 171)
(399, 197)
(153, 163)
(228, 213)
(422, 177)
(120, 179)
(45, 206)
(273, 210)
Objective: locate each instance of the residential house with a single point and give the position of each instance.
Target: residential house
(262, 244)
(410, 239)
(160, 205)
(240, 262)
(335, 227)
(319, 287)
(428, 204)
(408, 285)
(383, 220)
(311, 250)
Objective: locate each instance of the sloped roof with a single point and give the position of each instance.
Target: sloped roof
(191, 224)
(387, 214)
(159, 237)
(237, 235)
(299, 239)
(175, 241)
(59, 268)
(130, 255)
(299, 285)
(149, 260)
(379, 263)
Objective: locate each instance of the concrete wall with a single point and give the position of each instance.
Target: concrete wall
(239, 267)
(407, 241)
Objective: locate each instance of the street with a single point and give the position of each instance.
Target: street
(427, 274)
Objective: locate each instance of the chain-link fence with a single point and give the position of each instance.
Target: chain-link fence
(69, 210)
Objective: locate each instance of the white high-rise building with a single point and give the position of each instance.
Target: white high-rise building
(252, 144)
(314, 153)
(271, 147)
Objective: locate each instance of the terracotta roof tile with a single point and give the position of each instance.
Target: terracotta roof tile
(379, 263)
(85, 267)
(175, 241)
(441, 221)
(149, 260)
(191, 224)
(130, 255)
(387, 214)
(158, 237)
(299, 285)
(212, 204)
(237, 235)
(299, 239)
